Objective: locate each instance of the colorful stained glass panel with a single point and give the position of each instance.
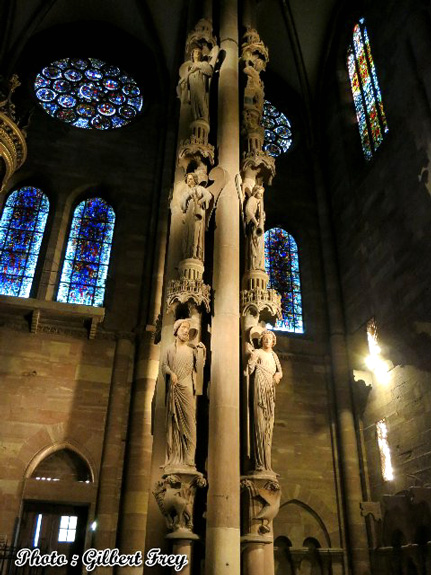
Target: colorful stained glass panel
(366, 93)
(21, 231)
(282, 267)
(85, 267)
(85, 89)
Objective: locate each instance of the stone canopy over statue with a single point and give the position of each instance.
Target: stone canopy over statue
(265, 373)
(182, 367)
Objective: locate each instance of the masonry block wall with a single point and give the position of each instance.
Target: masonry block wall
(381, 212)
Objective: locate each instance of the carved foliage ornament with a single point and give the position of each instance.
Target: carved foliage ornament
(13, 147)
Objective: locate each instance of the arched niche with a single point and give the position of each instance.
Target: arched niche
(300, 523)
(63, 465)
(60, 474)
(283, 564)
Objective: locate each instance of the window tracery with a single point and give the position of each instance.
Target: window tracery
(366, 91)
(88, 93)
(282, 267)
(22, 226)
(86, 262)
(278, 132)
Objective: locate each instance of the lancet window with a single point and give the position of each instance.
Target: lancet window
(282, 267)
(21, 232)
(366, 92)
(86, 262)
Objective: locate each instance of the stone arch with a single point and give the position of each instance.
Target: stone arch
(283, 562)
(325, 516)
(300, 522)
(66, 447)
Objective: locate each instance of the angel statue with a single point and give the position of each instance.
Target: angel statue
(194, 204)
(195, 75)
(265, 369)
(255, 221)
(182, 367)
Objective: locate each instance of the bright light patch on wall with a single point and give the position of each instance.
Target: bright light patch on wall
(67, 531)
(93, 526)
(37, 530)
(385, 452)
(374, 360)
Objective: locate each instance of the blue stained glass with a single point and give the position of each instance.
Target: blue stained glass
(87, 254)
(81, 85)
(278, 133)
(81, 123)
(282, 267)
(21, 230)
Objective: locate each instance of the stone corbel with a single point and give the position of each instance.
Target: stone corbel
(261, 502)
(175, 495)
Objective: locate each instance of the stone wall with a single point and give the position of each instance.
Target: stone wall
(381, 217)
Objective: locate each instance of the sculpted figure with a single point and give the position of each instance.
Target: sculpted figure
(194, 204)
(253, 94)
(197, 79)
(181, 365)
(264, 366)
(255, 221)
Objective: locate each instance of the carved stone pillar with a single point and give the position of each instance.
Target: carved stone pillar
(187, 296)
(223, 516)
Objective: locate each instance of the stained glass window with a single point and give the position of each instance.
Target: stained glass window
(21, 231)
(88, 93)
(278, 133)
(86, 262)
(282, 266)
(366, 92)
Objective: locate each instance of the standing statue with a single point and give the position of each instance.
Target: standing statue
(182, 366)
(255, 221)
(194, 204)
(196, 77)
(264, 365)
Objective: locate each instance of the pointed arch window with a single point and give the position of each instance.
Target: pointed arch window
(366, 91)
(86, 262)
(282, 267)
(22, 226)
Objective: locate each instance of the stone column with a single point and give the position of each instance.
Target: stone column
(113, 449)
(223, 516)
(356, 542)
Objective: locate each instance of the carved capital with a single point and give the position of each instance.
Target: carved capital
(175, 496)
(260, 496)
